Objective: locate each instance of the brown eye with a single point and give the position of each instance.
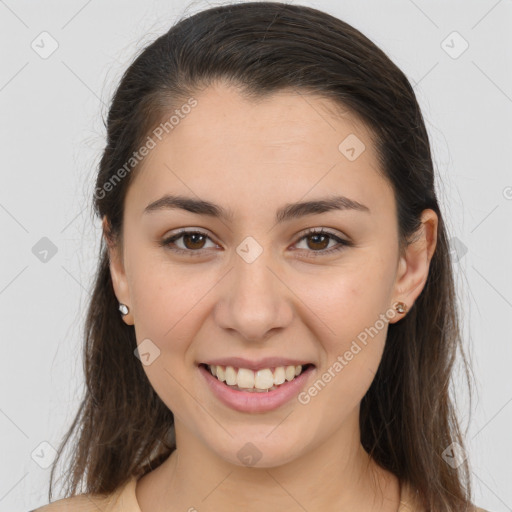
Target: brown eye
(317, 241)
(320, 241)
(193, 240)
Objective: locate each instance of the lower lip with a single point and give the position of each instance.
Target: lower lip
(246, 401)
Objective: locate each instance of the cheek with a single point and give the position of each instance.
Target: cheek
(171, 304)
(164, 304)
(167, 311)
(351, 298)
(352, 333)
(352, 307)
(161, 292)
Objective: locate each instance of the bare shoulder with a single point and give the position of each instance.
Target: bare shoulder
(80, 503)
(122, 499)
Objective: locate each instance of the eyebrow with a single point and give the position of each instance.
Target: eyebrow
(286, 213)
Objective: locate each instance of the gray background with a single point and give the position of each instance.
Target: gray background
(51, 140)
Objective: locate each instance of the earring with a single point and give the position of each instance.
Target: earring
(123, 308)
(401, 307)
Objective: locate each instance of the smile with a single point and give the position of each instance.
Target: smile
(263, 380)
(256, 391)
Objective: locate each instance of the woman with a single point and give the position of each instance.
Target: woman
(273, 324)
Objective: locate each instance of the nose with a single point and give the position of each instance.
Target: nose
(254, 301)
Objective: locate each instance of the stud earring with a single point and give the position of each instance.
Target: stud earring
(123, 308)
(401, 307)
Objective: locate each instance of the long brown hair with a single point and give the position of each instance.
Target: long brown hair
(407, 417)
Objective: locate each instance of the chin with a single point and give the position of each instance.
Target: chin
(258, 452)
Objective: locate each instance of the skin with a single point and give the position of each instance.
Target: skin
(253, 157)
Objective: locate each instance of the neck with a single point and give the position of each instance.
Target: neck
(336, 475)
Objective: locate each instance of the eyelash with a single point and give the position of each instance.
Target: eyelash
(313, 231)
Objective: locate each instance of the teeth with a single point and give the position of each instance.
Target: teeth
(289, 372)
(245, 378)
(264, 379)
(230, 375)
(279, 375)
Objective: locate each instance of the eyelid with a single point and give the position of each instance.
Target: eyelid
(341, 242)
(166, 241)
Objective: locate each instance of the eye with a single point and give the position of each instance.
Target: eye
(319, 237)
(194, 242)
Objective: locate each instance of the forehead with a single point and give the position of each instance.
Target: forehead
(285, 146)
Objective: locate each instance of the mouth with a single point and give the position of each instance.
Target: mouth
(263, 380)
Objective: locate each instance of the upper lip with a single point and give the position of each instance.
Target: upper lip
(266, 362)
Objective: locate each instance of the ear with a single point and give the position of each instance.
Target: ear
(117, 272)
(414, 263)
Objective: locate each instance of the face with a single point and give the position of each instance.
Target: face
(253, 284)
